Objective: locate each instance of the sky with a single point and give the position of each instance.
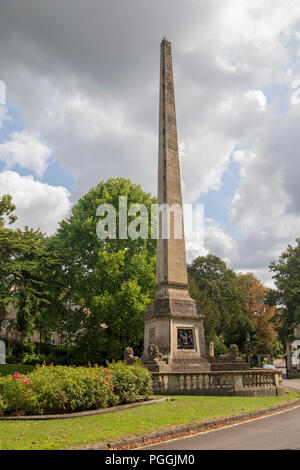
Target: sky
(82, 106)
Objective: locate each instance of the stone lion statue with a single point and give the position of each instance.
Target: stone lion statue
(129, 356)
(232, 355)
(153, 352)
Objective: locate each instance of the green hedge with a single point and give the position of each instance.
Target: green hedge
(63, 389)
(9, 369)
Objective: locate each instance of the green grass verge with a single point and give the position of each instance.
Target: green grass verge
(9, 369)
(57, 434)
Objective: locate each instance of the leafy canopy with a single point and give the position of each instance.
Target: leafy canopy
(287, 293)
(110, 280)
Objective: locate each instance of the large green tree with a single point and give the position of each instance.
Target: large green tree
(287, 293)
(29, 275)
(221, 301)
(110, 280)
(28, 280)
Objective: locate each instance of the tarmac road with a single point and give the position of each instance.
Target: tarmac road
(275, 432)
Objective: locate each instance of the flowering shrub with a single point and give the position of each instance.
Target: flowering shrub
(62, 389)
(16, 394)
(130, 382)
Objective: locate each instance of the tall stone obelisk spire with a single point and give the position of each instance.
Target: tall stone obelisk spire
(171, 271)
(174, 334)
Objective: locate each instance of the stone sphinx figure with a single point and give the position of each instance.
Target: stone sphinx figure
(129, 356)
(230, 361)
(232, 355)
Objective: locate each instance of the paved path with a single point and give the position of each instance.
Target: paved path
(294, 384)
(278, 431)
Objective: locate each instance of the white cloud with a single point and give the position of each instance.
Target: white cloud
(97, 107)
(39, 205)
(259, 97)
(3, 114)
(211, 238)
(25, 149)
(2, 93)
(219, 242)
(295, 96)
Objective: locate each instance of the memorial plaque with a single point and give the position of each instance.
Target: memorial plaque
(185, 339)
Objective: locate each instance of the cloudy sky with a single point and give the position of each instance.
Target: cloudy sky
(82, 105)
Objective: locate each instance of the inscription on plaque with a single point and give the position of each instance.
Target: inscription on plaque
(185, 339)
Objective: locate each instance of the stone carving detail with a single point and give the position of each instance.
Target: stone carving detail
(152, 336)
(129, 356)
(185, 339)
(232, 355)
(153, 352)
(230, 361)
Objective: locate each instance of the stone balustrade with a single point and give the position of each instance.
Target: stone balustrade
(252, 382)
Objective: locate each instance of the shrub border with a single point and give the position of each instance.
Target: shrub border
(81, 414)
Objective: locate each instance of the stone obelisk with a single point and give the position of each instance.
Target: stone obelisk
(174, 334)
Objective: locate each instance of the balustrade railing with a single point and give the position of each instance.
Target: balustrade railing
(226, 382)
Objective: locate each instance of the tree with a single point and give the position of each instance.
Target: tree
(287, 292)
(263, 315)
(28, 279)
(220, 299)
(29, 275)
(111, 280)
(7, 209)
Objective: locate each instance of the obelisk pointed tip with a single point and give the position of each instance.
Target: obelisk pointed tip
(165, 39)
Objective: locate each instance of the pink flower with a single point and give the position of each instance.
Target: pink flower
(67, 399)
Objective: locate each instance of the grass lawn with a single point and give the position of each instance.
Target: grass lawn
(9, 369)
(57, 434)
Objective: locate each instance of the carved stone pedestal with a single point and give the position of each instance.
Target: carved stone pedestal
(174, 336)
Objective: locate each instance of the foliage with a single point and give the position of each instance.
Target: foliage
(29, 280)
(60, 389)
(7, 209)
(61, 355)
(17, 394)
(11, 359)
(10, 369)
(110, 280)
(219, 346)
(264, 316)
(130, 382)
(287, 293)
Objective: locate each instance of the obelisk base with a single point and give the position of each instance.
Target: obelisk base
(174, 336)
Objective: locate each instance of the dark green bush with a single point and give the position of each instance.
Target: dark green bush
(10, 359)
(61, 355)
